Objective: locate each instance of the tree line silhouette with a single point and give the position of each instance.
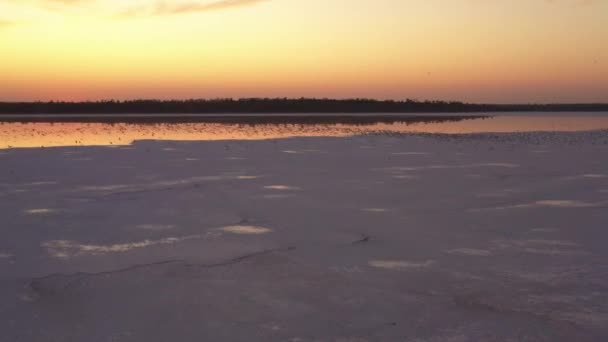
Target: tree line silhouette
(279, 105)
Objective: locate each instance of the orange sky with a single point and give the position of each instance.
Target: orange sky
(471, 50)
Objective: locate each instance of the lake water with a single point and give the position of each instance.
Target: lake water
(254, 127)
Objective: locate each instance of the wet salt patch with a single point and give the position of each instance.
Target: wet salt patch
(555, 252)
(405, 177)
(552, 243)
(41, 183)
(161, 184)
(492, 195)
(246, 230)
(192, 159)
(346, 269)
(282, 187)
(4, 255)
(400, 264)
(595, 176)
(39, 211)
(66, 248)
(155, 227)
(248, 177)
(375, 210)
(470, 252)
(291, 152)
(587, 176)
(312, 151)
(26, 297)
(550, 275)
(558, 298)
(410, 153)
(105, 187)
(498, 194)
(467, 275)
(548, 204)
(276, 196)
(169, 149)
(272, 326)
(535, 243)
(441, 167)
(560, 204)
(512, 191)
(597, 318)
(542, 247)
(543, 230)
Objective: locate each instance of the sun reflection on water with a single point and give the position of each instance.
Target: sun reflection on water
(47, 134)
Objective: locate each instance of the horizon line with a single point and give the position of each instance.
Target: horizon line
(278, 99)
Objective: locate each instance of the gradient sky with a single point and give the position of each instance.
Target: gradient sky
(471, 50)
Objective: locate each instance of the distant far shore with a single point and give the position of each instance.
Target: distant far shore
(243, 118)
(285, 106)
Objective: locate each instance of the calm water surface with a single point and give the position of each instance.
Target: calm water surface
(38, 134)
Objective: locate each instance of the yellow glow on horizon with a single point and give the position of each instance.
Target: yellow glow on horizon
(523, 50)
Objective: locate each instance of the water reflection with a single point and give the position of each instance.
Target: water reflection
(46, 134)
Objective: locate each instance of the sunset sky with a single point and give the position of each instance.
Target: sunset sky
(470, 50)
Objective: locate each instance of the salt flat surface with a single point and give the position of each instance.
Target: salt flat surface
(486, 237)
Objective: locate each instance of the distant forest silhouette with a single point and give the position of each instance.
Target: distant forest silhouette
(253, 120)
(279, 105)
